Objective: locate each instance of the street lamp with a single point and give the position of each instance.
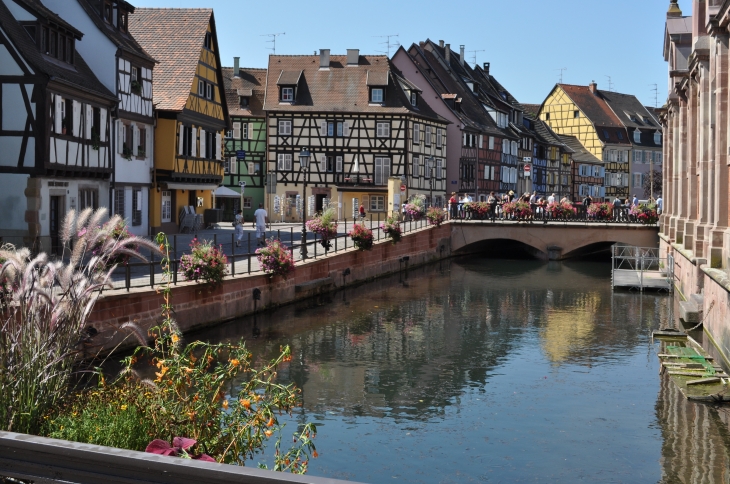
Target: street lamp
(304, 156)
(431, 164)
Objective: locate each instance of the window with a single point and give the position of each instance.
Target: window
(243, 101)
(383, 130)
(166, 206)
(136, 207)
(377, 203)
(576, 114)
(547, 116)
(284, 127)
(605, 134)
(376, 95)
(201, 88)
(330, 129)
(44, 40)
(236, 133)
(227, 165)
(657, 138)
(119, 202)
(620, 135)
(416, 133)
(186, 144)
(439, 169)
(208, 41)
(108, 12)
(428, 135)
(637, 136)
(128, 147)
(247, 202)
(142, 143)
(53, 43)
(637, 180)
(415, 167)
(209, 145)
(209, 90)
(88, 198)
(123, 20)
(382, 170)
(414, 98)
(440, 138)
(246, 131)
(638, 156)
(287, 94)
(284, 162)
(491, 142)
(340, 128)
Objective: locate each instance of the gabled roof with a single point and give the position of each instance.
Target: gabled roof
(289, 78)
(580, 154)
(629, 110)
(250, 83)
(340, 88)
(79, 75)
(173, 36)
(122, 40)
(593, 106)
(532, 109)
(37, 8)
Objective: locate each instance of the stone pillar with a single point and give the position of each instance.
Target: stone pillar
(701, 128)
(682, 189)
(676, 170)
(667, 171)
(717, 249)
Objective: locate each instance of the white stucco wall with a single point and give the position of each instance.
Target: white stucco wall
(13, 203)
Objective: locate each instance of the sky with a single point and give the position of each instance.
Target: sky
(526, 42)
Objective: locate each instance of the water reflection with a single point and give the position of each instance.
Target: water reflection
(480, 370)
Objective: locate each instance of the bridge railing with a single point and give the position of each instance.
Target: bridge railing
(619, 216)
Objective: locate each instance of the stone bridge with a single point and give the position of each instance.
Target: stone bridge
(552, 241)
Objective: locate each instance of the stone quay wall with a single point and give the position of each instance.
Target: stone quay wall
(198, 305)
(695, 276)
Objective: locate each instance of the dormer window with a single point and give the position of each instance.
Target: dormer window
(620, 136)
(637, 136)
(57, 44)
(414, 98)
(243, 101)
(123, 20)
(287, 94)
(108, 13)
(657, 138)
(377, 95)
(605, 134)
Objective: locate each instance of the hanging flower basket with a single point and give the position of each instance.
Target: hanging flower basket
(325, 225)
(520, 210)
(391, 227)
(563, 210)
(600, 211)
(362, 237)
(645, 213)
(205, 263)
(416, 207)
(436, 216)
(275, 259)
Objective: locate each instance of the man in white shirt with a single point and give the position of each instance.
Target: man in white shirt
(551, 198)
(260, 219)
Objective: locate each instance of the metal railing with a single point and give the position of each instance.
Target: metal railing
(640, 268)
(39, 460)
(619, 216)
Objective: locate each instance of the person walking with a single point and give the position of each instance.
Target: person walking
(492, 201)
(261, 218)
(453, 205)
(659, 205)
(617, 209)
(362, 212)
(551, 199)
(238, 227)
(634, 201)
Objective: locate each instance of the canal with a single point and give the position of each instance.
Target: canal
(479, 370)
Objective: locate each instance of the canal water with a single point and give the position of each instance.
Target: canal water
(479, 370)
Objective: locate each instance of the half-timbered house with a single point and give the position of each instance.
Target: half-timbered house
(474, 163)
(583, 112)
(54, 126)
(192, 115)
(123, 66)
(361, 122)
(245, 155)
(587, 170)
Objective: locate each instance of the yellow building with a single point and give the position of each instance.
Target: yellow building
(581, 111)
(188, 95)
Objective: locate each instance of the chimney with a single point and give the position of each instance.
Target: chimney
(324, 58)
(486, 68)
(593, 87)
(236, 62)
(441, 44)
(353, 57)
(461, 55)
(674, 10)
(447, 49)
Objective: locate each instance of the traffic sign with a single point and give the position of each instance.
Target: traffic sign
(403, 188)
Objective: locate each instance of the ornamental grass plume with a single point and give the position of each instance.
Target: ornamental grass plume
(45, 306)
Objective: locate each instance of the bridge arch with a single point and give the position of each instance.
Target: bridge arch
(551, 241)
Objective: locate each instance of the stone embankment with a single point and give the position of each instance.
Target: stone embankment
(198, 305)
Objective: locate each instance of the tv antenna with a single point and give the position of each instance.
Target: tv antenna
(656, 95)
(475, 54)
(273, 40)
(561, 73)
(610, 84)
(388, 43)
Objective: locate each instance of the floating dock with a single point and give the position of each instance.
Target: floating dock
(641, 268)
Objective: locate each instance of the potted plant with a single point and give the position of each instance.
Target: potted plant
(141, 153)
(205, 263)
(645, 213)
(559, 210)
(95, 139)
(520, 210)
(275, 259)
(600, 211)
(362, 237)
(436, 216)
(136, 86)
(416, 207)
(126, 152)
(325, 225)
(391, 227)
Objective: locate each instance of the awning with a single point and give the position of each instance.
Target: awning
(225, 192)
(191, 186)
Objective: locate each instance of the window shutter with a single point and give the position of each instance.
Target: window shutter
(249, 168)
(76, 128)
(346, 129)
(121, 137)
(102, 125)
(323, 128)
(338, 164)
(250, 131)
(88, 120)
(58, 103)
(416, 133)
(322, 163)
(135, 139)
(181, 139)
(233, 165)
(218, 154)
(280, 162)
(202, 142)
(237, 130)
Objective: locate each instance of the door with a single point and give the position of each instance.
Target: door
(56, 213)
(319, 203)
(166, 206)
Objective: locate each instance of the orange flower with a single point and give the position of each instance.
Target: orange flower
(315, 454)
(225, 404)
(268, 433)
(161, 373)
(246, 404)
(271, 422)
(235, 362)
(175, 338)
(162, 247)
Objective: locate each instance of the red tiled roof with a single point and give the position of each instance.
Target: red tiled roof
(248, 80)
(592, 105)
(175, 37)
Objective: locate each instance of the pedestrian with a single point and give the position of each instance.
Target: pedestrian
(238, 227)
(634, 201)
(551, 199)
(617, 208)
(659, 205)
(362, 212)
(511, 196)
(492, 201)
(261, 218)
(453, 205)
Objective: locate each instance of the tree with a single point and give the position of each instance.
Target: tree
(653, 178)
